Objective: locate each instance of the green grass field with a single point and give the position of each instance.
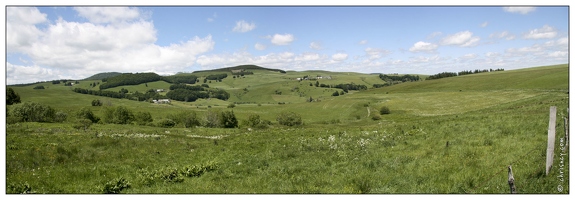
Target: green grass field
(447, 136)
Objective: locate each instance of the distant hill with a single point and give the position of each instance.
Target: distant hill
(240, 67)
(104, 75)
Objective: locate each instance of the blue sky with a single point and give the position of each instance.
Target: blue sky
(49, 43)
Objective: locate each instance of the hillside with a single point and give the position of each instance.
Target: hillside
(103, 75)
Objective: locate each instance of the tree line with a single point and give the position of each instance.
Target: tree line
(188, 93)
(129, 79)
(122, 94)
(461, 73)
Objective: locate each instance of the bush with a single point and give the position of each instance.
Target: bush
(86, 113)
(82, 124)
(60, 116)
(232, 105)
(33, 112)
(115, 186)
(213, 119)
(39, 87)
(384, 110)
(120, 115)
(228, 119)
(166, 123)
(143, 118)
(375, 116)
(96, 102)
(189, 119)
(289, 119)
(12, 97)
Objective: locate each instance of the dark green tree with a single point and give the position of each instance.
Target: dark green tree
(12, 97)
(86, 113)
(228, 119)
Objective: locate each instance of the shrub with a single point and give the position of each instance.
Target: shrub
(166, 123)
(213, 119)
(39, 87)
(12, 97)
(33, 112)
(120, 115)
(82, 124)
(86, 113)
(60, 116)
(96, 102)
(143, 118)
(289, 118)
(384, 110)
(376, 116)
(232, 105)
(115, 186)
(228, 119)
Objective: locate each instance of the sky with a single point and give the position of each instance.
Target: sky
(46, 43)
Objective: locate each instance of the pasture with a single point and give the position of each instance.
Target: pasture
(448, 136)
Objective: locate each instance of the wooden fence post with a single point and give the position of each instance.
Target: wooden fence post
(511, 180)
(550, 139)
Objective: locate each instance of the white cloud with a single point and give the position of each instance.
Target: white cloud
(259, 46)
(339, 56)
(243, 26)
(505, 34)
(279, 39)
(308, 57)
(21, 31)
(363, 42)
(213, 18)
(462, 39)
(492, 54)
(468, 56)
(28, 74)
(545, 32)
(315, 45)
(433, 35)
(561, 54)
(79, 50)
(108, 14)
(484, 24)
(423, 47)
(376, 53)
(521, 10)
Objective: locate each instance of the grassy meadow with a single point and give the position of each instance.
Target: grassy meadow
(447, 136)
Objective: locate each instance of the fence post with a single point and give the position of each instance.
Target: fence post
(511, 180)
(550, 139)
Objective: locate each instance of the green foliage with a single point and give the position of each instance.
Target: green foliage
(21, 188)
(39, 87)
(213, 119)
(228, 119)
(255, 121)
(82, 123)
(335, 94)
(143, 118)
(60, 116)
(288, 118)
(104, 75)
(384, 110)
(375, 116)
(177, 79)
(118, 115)
(33, 112)
(130, 79)
(12, 97)
(216, 76)
(115, 186)
(96, 102)
(232, 105)
(189, 119)
(86, 113)
(166, 123)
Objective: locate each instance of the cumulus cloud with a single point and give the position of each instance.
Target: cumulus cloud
(29, 74)
(284, 39)
(560, 54)
(505, 35)
(339, 56)
(108, 14)
(363, 42)
(423, 47)
(462, 39)
(259, 46)
(243, 26)
(307, 57)
(79, 50)
(315, 45)
(376, 53)
(468, 56)
(520, 10)
(545, 32)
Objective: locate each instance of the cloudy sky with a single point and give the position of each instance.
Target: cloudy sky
(49, 43)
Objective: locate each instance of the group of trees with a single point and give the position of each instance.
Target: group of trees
(123, 93)
(461, 73)
(178, 79)
(344, 86)
(34, 112)
(129, 79)
(216, 76)
(183, 92)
